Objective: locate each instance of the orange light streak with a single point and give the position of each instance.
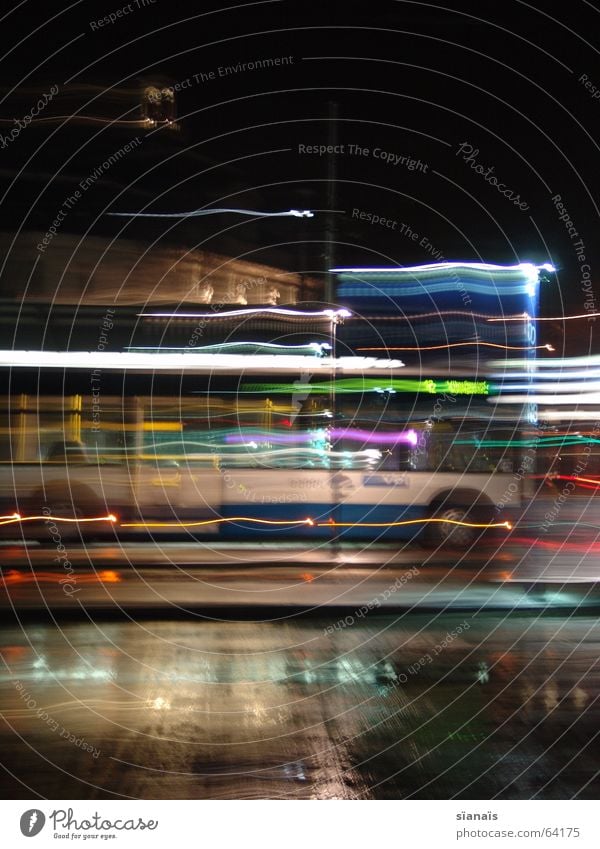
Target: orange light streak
(8, 520)
(106, 577)
(16, 517)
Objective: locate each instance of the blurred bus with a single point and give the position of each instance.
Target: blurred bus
(372, 444)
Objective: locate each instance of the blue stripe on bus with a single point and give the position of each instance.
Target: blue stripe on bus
(352, 513)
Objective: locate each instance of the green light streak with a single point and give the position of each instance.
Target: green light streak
(373, 384)
(542, 442)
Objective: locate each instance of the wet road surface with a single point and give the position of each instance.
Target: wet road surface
(465, 705)
(191, 576)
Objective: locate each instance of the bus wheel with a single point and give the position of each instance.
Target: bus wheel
(446, 532)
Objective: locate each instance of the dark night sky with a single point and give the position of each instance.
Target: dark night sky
(408, 78)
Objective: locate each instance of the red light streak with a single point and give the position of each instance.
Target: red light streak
(587, 548)
(585, 483)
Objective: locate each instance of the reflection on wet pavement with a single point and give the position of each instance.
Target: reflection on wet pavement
(439, 706)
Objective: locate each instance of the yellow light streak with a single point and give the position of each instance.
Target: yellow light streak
(216, 522)
(333, 524)
(16, 517)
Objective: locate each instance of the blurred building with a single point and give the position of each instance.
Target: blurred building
(73, 154)
(96, 270)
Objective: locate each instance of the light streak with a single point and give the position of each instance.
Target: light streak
(12, 517)
(109, 576)
(412, 317)
(371, 384)
(544, 441)
(116, 122)
(459, 345)
(568, 415)
(290, 213)
(585, 547)
(184, 444)
(168, 362)
(582, 398)
(316, 348)
(277, 457)
(569, 374)
(292, 457)
(280, 311)
(525, 267)
(554, 388)
(103, 577)
(333, 524)
(16, 517)
(553, 362)
(384, 438)
(219, 521)
(576, 478)
(547, 318)
(276, 438)
(311, 523)
(486, 279)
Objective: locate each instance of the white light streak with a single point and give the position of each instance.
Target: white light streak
(547, 318)
(568, 415)
(550, 362)
(526, 267)
(195, 213)
(545, 375)
(237, 363)
(556, 388)
(580, 398)
(327, 314)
